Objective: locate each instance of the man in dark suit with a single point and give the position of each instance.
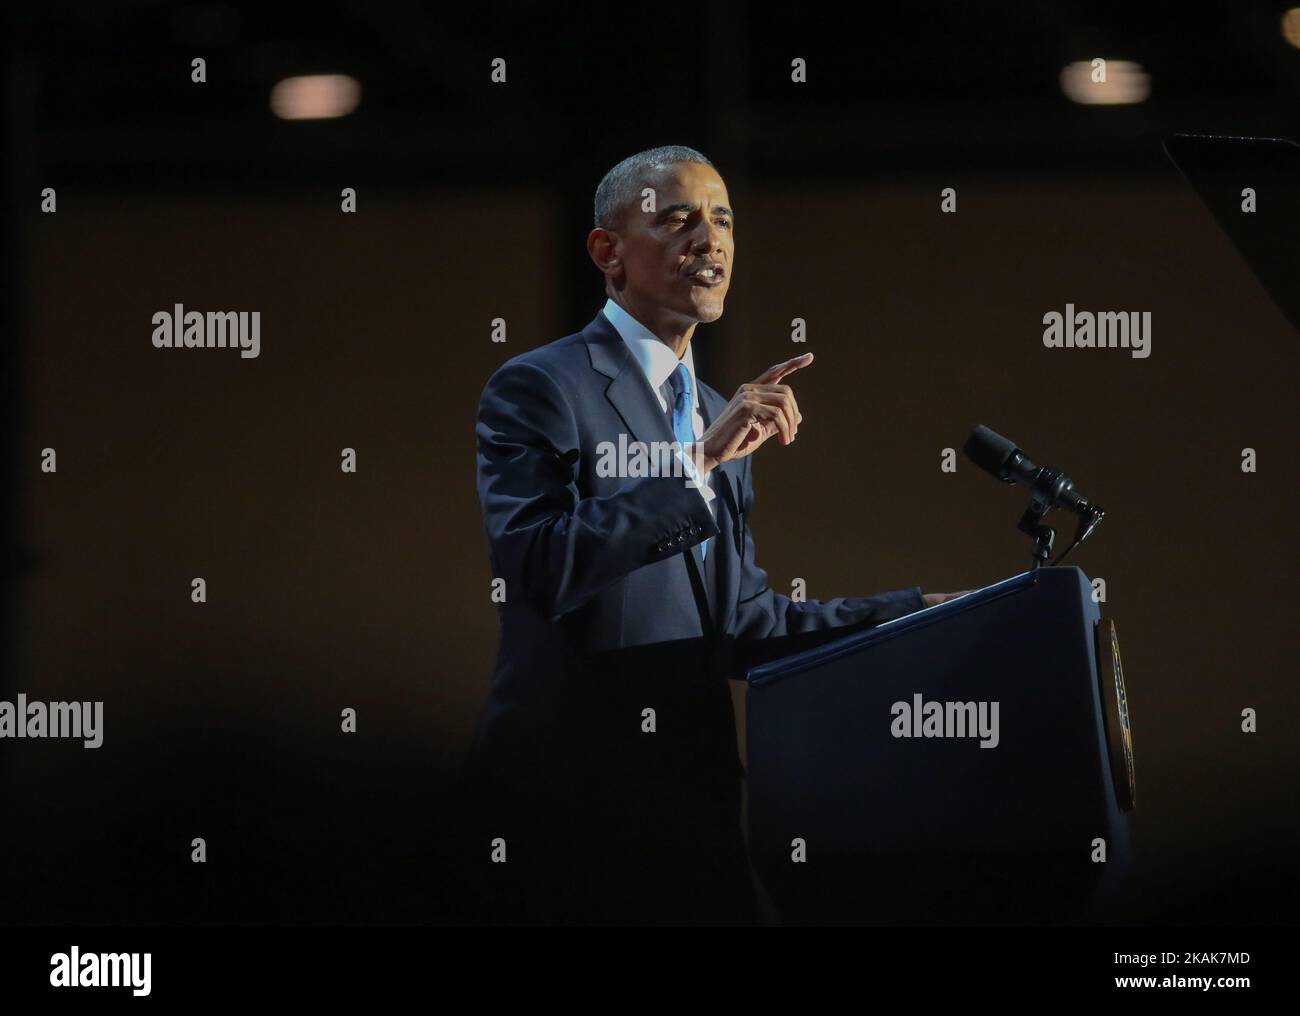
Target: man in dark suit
(604, 776)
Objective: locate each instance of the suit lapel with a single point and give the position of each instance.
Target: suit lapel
(629, 393)
(628, 390)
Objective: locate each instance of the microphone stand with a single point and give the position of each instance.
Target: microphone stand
(1044, 536)
(1047, 487)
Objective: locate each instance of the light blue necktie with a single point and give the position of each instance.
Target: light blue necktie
(683, 411)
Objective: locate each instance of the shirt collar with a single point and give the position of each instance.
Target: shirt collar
(654, 358)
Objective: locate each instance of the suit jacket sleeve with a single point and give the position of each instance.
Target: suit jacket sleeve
(763, 613)
(559, 548)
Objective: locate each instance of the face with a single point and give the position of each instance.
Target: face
(674, 264)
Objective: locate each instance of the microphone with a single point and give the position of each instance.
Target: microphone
(994, 454)
(1048, 488)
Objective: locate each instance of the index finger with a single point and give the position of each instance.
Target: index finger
(774, 374)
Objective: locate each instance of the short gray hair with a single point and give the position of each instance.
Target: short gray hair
(621, 187)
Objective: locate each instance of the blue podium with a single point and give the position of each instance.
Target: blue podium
(971, 762)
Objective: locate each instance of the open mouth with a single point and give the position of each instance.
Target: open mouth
(708, 275)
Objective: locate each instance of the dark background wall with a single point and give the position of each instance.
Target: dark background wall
(329, 590)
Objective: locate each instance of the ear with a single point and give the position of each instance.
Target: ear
(605, 248)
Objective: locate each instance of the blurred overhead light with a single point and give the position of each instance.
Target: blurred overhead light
(1105, 82)
(1291, 26)
(315, 97)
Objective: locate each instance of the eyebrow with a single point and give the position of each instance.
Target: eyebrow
(684, 207)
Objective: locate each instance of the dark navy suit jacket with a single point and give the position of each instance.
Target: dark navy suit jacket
(613, 625)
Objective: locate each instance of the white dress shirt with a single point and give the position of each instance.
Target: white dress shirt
(658, 362)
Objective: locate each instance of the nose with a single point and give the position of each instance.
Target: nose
(707, 240)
